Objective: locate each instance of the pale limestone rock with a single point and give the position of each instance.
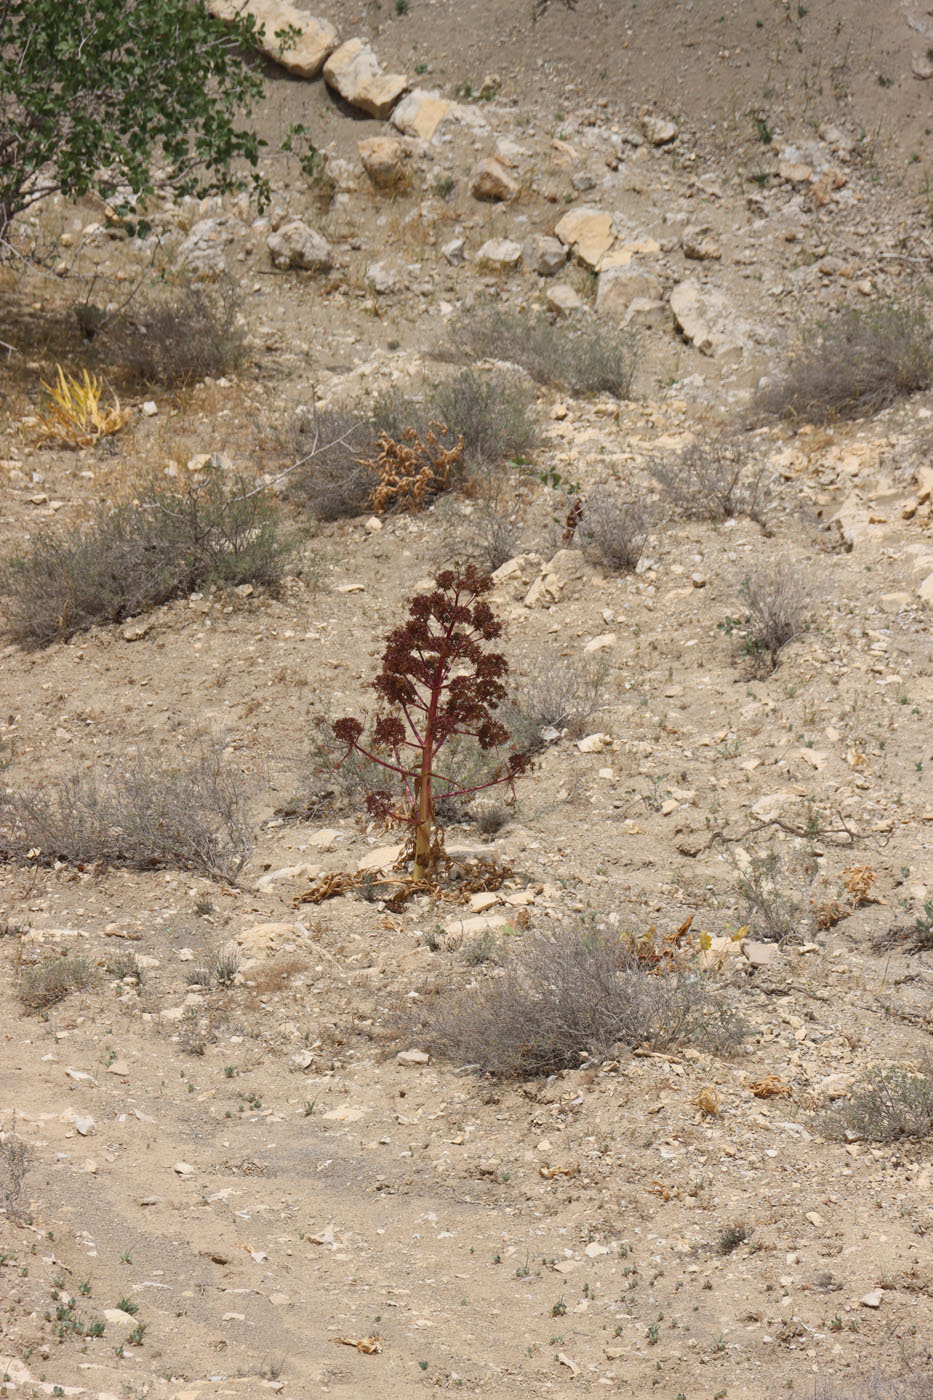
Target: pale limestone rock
(203, 254)
(478, 923)
(354, 72)
(701, 314)
(925, 591)
(543, 255)
(659, 131)
(295, 245)
(304, 56)
(618, 287)
(385, 160)
(594, 743)
(261, 939)
(420, 113)
(454, 251)
(587, 232)
(563, 299)
(699, 243)
(413, 1059)
(492, 182)
(759, 954)
(500, 253)
(380, 858)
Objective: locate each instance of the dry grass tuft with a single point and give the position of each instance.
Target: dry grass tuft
(891, 1104)
(53, 979)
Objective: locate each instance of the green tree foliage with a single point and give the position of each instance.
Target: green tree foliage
(96, 94)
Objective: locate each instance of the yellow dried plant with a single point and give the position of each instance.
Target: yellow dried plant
(72, 414)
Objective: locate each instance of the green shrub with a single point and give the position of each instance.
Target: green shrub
(855, 365)
(588, 358)
(137, 554)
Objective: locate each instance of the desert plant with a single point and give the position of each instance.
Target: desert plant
(779, 598)
(489, 539)
(14, 1164)
(855, 364)
(714, 479)
(891, 1103)
(53, 979)
(916, 1385)
(410, 470)
(332, 479)
(549, 694)
(439, 681)
(72, 415)
(732, 1236)
(490, 412)
(776, 907)
(191, 814)
(130, 557)
(569, 994)
(589, 358)
(177, 334)
(613, 529)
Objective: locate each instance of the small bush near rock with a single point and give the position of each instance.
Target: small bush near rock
(177, 335)
(130, 557)
(855, 365)
(775, 897)
(589, 358)
(892, 1103)
(192, 815)
(613, 529)
(491, 412)
(551, 693)
(51, 980)
(714, 479)
(780, 601)
(568, 995)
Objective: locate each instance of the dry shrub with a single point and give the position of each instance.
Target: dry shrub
(550, 693)
(14, 1164)
(613, 529)
(53, 979)
(567, 995)
(410, 471)
(780, 601)
(130, 557)
(332, 480)
(192, 815)
(775, 898)
(177, 334)
(713, 479)
(878, 1386)
(854, 365)
(491, 413)
(587, 358)
(488, 540)
(892, 1103)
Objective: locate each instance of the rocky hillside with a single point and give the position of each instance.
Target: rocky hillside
(271, 1119)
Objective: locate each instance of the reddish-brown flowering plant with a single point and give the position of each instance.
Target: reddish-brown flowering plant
(439, 680)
